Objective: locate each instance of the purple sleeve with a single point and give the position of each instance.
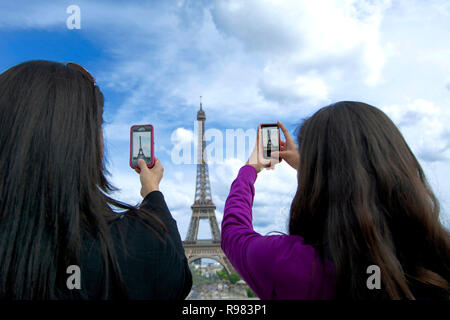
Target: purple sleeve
(275, 267)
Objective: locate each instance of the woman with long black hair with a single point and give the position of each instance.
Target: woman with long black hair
(362, 204)
(55, 210)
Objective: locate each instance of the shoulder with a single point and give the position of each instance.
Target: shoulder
(135, 236)
(294, 267)
(152, 268)
(281, 247)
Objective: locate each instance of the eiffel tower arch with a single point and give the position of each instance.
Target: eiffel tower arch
(204, 208)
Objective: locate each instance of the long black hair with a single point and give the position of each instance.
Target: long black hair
(53, 188)
(363, 199)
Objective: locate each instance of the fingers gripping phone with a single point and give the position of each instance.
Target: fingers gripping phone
(270, 133)
(142, 145)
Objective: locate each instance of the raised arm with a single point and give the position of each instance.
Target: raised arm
(276, 266)
(240, 242)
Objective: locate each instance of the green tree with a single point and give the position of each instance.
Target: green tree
(250, 293)
(198, 278)
(233, 278)
(224, 275)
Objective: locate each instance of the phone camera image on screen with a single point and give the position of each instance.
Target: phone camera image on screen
(142, 144)
(270, 140)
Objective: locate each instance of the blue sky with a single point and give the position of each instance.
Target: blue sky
(252, 61)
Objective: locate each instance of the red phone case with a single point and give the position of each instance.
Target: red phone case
(131, 144)
(279, 137)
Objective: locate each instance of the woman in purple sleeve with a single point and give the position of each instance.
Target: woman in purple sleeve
(364, 223)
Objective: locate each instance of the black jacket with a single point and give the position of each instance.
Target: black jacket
(150, 269)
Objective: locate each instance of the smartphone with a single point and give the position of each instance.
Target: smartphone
(141, 145)
(270, 133)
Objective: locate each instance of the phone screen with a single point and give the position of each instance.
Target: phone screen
(141, 147)
(270, 139)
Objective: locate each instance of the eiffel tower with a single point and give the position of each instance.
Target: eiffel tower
(269, 144)
(141, 152)
(204, 208)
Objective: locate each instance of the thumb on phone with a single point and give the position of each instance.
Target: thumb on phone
(142, 164)
(290, 156)
(277, 154)
(274, 159)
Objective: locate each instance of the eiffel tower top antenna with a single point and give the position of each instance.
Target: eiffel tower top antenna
(201, 116)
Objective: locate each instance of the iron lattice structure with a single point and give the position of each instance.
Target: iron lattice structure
(203, 208)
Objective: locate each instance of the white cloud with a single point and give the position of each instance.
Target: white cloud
(32, 15)
(289, 90)
(251, 56)
(299, 36)
(424, 126)
(183, 136)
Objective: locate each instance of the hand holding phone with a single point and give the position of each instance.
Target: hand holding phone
(288, 149)
(150, 178)
(142, 145)
(267, 141)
